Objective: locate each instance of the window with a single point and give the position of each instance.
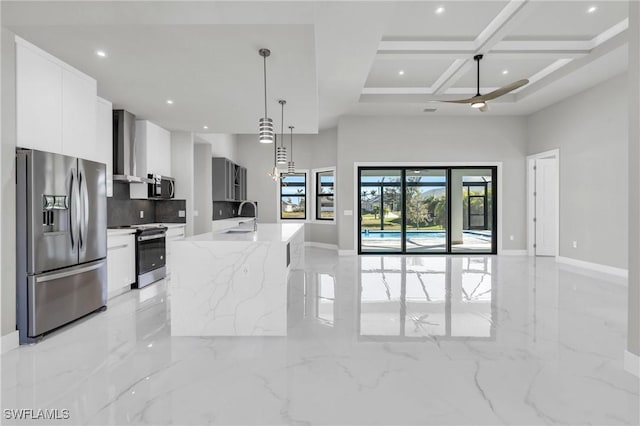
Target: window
(293, 196)
(325, 205)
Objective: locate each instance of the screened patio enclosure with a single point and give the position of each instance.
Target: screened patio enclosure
(427, 210)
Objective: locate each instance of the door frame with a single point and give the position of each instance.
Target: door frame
(418, 164)
(555, 154)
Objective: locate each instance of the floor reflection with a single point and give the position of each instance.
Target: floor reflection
(420, 297)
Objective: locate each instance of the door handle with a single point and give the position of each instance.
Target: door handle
(72, 222)
(85, 208)
(173, 188)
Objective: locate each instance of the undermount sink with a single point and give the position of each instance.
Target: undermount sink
(238, 230)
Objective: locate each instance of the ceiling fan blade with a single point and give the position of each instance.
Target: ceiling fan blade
(459, 101)
(504, 90)
(485, 108)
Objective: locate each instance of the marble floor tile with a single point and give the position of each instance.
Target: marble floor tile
(384, 340)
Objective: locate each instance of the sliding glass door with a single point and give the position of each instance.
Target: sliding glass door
(381, 210)
(472, 221)
(427, 210)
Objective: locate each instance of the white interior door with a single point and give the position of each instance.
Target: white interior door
(546, 175)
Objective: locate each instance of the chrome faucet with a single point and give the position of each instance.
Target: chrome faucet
(255, 212)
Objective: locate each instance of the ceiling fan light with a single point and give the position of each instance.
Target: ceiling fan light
(479, 104)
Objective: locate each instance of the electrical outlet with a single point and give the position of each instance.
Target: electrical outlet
(575, 244)
(220, 212)
(182, 213)
(511, 237)
(141, 214)
(195, 212)
(348, 212)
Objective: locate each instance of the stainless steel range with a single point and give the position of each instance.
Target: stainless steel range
(150, 254)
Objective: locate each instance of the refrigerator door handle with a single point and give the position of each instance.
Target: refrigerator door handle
(73, 219)
(66, 274)
(84, 200)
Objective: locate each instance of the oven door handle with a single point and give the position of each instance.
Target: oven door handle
(151, 237)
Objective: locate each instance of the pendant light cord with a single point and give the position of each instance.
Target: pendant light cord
(265, 85)
(282, 124)
(291, 128)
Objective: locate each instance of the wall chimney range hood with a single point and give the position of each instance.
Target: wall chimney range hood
(129, 155)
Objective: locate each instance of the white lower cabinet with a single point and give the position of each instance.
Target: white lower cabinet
(121, 262)
(173, 234)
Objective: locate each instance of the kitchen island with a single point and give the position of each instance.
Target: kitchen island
(234, 282)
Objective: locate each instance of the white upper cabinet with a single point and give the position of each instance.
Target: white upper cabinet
(55, 105)
(158, 143)
(79, 94)
(38, 101)
(104, 138)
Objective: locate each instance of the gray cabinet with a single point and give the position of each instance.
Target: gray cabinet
(229, 180)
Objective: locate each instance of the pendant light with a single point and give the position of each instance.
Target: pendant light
(266, 132)
(275, 174)
(281, 151)
(291, 166)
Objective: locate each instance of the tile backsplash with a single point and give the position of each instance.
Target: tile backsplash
(228, 209)
(122, 211)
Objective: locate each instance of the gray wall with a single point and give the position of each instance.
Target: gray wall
(429, 139)
(202, 202)
(593, 169)
(7, 184)
(309, 152)
(633, 344)
(182, 170)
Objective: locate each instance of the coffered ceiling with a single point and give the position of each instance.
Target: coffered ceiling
(329, 58)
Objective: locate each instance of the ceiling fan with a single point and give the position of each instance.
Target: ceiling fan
(480, 101)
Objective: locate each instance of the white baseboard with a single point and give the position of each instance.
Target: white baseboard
(618, 272)
(513, 253)
(346, 252)
(632, 363)
(321, 245)
(10, 341)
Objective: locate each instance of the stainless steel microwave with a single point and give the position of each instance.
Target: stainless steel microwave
(161, 187)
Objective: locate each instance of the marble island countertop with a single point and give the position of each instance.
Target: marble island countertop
(267, 232)
(234, 284)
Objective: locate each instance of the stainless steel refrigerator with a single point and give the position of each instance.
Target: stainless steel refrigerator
(61, 240)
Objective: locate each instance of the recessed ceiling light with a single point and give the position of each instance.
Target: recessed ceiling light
(101, 53)
(169, 101)
(505, 72)
(205, 127)
(401, 72)
(440, 10)
(592, 9)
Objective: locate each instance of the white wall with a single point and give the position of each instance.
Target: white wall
(222, 145)
(435, 139)
(202, 202)
(591, 131)
(309, 152)
(182, 170)
(7, 184)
